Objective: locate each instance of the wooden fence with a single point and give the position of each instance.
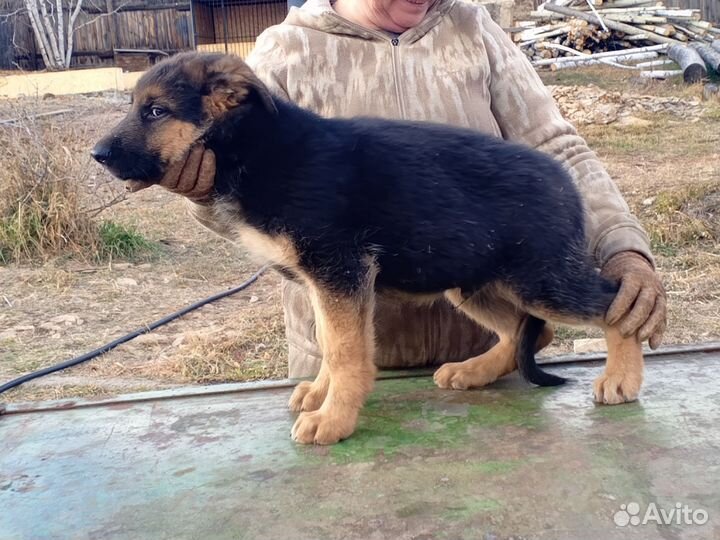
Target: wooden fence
(233, 25)
(710, 9)
(102, 27)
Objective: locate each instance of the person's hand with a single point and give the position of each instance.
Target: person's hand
(640, 306)
(192, 177)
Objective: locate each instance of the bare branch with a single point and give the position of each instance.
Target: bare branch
(60, 26)
(71, 32)
(8, 16)
(51, 37)
(102, 15)
(32, 10)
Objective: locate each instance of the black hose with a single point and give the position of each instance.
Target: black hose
(132, 335)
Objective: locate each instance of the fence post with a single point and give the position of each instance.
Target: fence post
(225, 29)
(111, 24)
(193, 27)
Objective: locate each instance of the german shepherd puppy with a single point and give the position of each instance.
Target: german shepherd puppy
(356, 206)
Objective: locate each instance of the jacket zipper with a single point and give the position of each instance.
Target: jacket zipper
(395, 43)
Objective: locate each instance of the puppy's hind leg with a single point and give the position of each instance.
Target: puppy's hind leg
(623, 374)
(507, 320)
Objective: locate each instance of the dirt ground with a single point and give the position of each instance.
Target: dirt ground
(665, 159)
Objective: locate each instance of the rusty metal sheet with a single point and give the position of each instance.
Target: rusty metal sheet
(505, 461)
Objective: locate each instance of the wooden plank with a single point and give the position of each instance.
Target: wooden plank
(111, 25)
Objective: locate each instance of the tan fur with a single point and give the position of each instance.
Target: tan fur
(309, 396)
(233, 81)
(346, 337)
(403, 296)
(623, 375)
(144, 94)
(173, 139)
(490, 309)
(227, 219)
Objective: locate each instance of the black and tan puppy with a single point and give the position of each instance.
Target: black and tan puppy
(358, 206)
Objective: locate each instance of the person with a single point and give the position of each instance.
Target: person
(441, 61)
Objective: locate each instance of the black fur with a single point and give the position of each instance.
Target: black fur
(438, 207)
(525, 356)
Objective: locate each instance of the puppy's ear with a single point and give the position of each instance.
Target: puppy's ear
(230, 83)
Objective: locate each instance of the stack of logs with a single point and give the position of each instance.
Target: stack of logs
(628, 34)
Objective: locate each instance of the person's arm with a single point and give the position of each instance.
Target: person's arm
(526, 112)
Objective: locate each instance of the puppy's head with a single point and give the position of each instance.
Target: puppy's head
(173, 106)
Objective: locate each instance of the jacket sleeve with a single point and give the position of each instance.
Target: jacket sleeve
(526, 112)
(268, 60)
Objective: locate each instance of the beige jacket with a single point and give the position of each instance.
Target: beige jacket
(457, 67)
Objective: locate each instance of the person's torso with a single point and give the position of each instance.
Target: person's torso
(444, 76)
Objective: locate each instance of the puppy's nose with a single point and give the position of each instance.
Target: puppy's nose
(101, 153)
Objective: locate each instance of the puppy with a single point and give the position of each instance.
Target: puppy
(357, 206)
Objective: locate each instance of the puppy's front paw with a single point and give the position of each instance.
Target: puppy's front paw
(323, 426)
(615, 388)
(307, 396)
(459, 376)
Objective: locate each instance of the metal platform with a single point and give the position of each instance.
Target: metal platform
(506, 461)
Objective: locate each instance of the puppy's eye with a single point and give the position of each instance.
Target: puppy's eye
(157, 112)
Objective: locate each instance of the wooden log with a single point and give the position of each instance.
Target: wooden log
(680, 36)
(689, 14)
(589, 61)
(701, 24)
(666, 30)
(654, 63)
(576, 53)
(660, 12)
(699, 30)
(635, 19)
(689, 60)
(535, 36)
(716, 44)
(710, 56)
(660, 74)
(618, 5)
(566, 62)
(690, 33)
(636, 37)
(621, 27)
(653, 49)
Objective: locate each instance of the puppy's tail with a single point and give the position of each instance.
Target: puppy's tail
(530, 331)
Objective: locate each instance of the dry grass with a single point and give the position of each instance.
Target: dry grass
(46, 210)
(611, 78)
(41, 212)
(684, 217)
(249, 353)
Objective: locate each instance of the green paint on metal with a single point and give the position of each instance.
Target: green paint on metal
(413, 414)
(505, 461)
